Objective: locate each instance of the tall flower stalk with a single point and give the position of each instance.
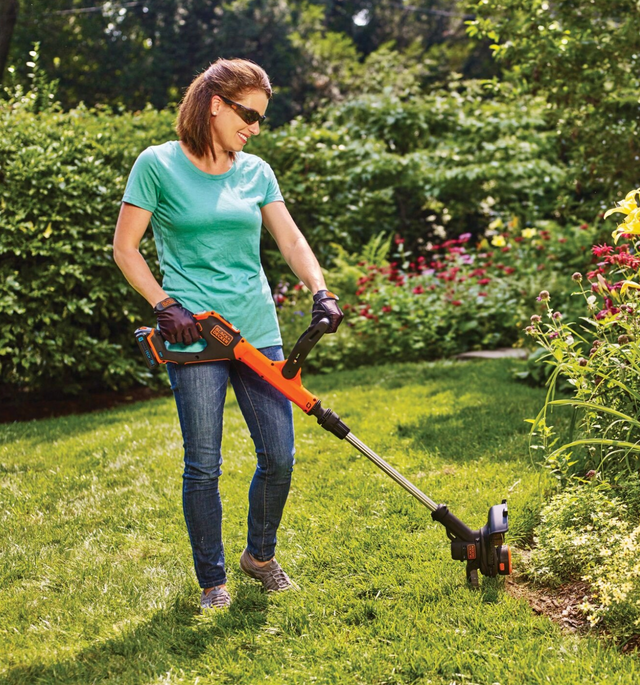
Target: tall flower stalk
(600, 359)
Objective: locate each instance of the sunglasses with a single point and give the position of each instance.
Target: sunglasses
(248, 115)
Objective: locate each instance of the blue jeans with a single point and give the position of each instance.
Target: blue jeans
(199, 391)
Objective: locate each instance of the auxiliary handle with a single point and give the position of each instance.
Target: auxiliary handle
(306, 342)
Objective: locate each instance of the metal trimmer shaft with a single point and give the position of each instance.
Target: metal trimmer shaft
(391, 472)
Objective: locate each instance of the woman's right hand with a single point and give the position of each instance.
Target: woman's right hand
(176, 324)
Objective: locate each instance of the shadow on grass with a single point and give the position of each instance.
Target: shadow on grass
(73, 426)
(468, 432)
(172, 639)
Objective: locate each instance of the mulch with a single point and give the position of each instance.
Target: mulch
(561, 606)
(44, 407)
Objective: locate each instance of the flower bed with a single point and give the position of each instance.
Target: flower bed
(459, 295)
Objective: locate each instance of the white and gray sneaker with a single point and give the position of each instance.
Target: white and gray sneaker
(216, 598)
(271, 575)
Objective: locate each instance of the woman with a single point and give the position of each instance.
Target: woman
(207, 201)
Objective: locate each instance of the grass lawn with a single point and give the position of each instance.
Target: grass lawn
(97, 582)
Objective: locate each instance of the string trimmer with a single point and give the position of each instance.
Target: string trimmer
(483, 550)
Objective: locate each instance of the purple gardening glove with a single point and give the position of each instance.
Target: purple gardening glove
(176, 324)
(325, 306)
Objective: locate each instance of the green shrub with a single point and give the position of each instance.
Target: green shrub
(586, 533)
(429, 167)
(66, 312)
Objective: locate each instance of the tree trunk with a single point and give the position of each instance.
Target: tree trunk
(8, 16)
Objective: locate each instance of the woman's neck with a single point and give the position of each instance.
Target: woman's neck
(222, 164)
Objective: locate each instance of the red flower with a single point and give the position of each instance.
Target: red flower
(484, 281)
(483, 294)
(418, 290)
(386, 309)
(509, 270)
(601, 250)
(584, 227)
(562, 240)
(456, 303)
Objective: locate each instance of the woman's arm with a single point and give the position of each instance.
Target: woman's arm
(132, 223)
(293, 245)
(176, 323)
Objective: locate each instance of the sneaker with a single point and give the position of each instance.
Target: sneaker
(271, 575)
(218, 598)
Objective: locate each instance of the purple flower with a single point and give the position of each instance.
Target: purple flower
(557, 316)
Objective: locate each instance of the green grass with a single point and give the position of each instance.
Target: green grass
(97, 582)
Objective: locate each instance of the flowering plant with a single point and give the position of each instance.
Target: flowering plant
(601, 360)
(458, 295)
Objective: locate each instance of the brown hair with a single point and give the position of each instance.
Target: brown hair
(231, 78)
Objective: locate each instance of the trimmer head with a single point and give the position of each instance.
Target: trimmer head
(483, 550)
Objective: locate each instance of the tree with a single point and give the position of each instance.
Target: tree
(584, 59)
(8, 18)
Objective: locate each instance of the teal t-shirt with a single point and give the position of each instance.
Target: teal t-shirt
(207, 232)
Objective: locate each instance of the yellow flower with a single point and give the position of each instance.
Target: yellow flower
(628, 284)
(529, 232)
(498, 241)
(628, 206)
(496, 224)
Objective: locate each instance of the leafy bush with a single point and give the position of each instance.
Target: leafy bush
(66, 312)
(586, 533)
(428, 167)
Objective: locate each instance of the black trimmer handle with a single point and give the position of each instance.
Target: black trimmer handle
(306, 342)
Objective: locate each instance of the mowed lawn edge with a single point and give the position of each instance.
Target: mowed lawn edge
(97, 582)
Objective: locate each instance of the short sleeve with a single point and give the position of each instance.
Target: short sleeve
(272, 192)
(143, 186)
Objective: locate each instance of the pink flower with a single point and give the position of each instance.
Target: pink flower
(465, 237)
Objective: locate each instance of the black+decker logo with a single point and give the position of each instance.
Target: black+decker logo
(221, 335)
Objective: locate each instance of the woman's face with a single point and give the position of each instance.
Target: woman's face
(229, 129)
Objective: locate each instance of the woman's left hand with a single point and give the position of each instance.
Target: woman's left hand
(325, 306)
